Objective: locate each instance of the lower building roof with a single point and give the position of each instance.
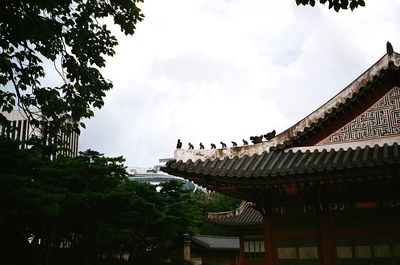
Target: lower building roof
(245, 215)
(217, 242)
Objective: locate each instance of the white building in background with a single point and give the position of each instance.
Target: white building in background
(156, 177)
(21, 129)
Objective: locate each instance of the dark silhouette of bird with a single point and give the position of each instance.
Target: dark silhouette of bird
(179, 144)
(389, 48)
(270, 135)
(245, 142)
(213, 146)
(256, 139)
(223, 144)
(191, 146)
(234, 144)
(201, 146)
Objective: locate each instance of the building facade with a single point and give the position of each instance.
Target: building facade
(22, 129)
(327, 188)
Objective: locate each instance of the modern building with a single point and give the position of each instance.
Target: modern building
(326, 189)
(22, 129)
(156, 177)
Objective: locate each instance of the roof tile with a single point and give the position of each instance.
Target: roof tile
(278, 165)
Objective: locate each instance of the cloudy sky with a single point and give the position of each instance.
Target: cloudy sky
(222, 70)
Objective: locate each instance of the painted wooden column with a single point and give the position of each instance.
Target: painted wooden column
(326, 240)
(241, 253)
(270, 258)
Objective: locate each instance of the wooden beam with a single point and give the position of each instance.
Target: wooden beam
(270, 258)
(294, 233)
(368, 231)
(326, 240)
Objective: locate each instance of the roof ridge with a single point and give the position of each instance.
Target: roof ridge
(235, 212)
(385, 62)
(284, 139)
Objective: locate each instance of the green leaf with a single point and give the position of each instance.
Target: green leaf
(68, 29)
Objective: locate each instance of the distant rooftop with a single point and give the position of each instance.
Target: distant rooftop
(217, 242)
(244, 215)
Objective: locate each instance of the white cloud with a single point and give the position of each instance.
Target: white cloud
(219, 70)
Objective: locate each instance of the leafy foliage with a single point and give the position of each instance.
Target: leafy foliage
(84, 210)
(72, 35)
(337, 5)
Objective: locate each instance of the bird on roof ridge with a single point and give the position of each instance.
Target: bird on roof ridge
(270, 135)
(223, 144)
(191, 146)
(234, 144)
(256, 139)
(213, 146)
(245, 142)
(389, 48)
(201, 145)
(179, 144)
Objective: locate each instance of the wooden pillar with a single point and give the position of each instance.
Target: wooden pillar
(268, 241)
(186, 250)
(241, 253)
(326, 240)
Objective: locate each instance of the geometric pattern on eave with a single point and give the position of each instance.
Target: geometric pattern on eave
(381, 120)
(344, 107)
(287, 166)
(389, 75)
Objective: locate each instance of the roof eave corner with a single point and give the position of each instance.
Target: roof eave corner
(361, 81)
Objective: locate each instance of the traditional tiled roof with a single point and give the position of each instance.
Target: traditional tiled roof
(373, 83)
(245, 215)
(287, 166)
(217, 242)
(336, 109)
(294, 168)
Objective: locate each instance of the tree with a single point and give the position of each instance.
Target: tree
(84, 210)
(73, 36)
(49, 204)
(335, 4)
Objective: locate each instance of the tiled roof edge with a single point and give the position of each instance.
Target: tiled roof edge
(199, 239)
(270, 168)
(235, 212)
(284, 138)
(380, 142)
(343, 98)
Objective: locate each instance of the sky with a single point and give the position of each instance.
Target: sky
(224, 70)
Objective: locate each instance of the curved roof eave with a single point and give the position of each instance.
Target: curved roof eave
(299, 127)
